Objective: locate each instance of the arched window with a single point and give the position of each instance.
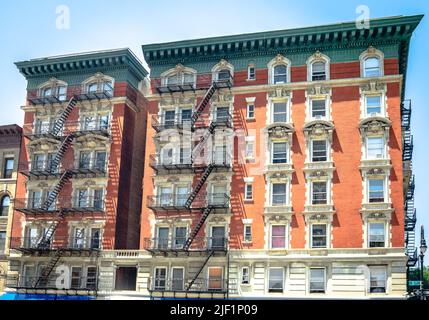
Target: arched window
(279, 70)
(318, 71)
(99, 84)
(223, 72)
(4, 207)
(318, 67)
(371, 62)
(372, 67)
(180, 75)
(280, 74)
(54, 89)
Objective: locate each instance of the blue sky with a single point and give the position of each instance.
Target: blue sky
(28, 30)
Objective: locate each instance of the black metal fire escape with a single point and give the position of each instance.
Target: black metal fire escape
(409, 209)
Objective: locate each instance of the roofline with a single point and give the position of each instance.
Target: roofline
(63, 63)
(342, 26)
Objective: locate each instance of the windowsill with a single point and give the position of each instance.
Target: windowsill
(249, 201)
(251, 119)
(246, 285)
(250, 160)
(251, 79)
(7, 179)
(247, 242)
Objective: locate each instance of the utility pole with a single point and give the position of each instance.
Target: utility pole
(423, 248)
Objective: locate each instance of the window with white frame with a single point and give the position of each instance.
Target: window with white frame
(318, 235)
(318, 108)
(275, 280)
(371, 67)
(376, 234)
(163, 237)
(251, 73)
(280, 74)
(278, 236)
(248, 191)
(58, 91)
(317, 280)
(280, 111)
(250, 149)
(180, 236)
(279, 152)
(373, 105)
(279, 194)
(105, 86)
(160, 278)
(250, 111)
(376, 190)
(377, 279)
(177, 278)
(245, 275)
(318, 70)
(375, 147)
(319, 150)
(247, 233)
(319, 192)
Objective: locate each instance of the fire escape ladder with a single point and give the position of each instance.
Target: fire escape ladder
(200, 108)
(59, 124)
(65, 177)
(408, 147)
(200, 184)
(43, 278)
(199, 271)
(406, 114)
(203, 140)
(61, 151)
(197, 228)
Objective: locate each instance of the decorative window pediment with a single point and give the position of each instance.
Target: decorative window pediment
(372, 63)
(375, 126)
(99, 83)
(179, 75)
(223, 71)
(319, 129)
(281, 131)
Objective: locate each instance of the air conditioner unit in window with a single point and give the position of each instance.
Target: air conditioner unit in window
(379, 156)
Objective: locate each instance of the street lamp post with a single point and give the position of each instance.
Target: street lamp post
(423, 248)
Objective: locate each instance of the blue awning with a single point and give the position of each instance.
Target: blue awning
(26, 296)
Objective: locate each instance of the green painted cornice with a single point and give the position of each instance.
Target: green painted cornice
(83, 63)
(391, 30)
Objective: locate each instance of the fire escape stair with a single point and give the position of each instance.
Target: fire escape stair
(200, 108)
(204, 215)
(44, 277)
(203, 140)
(59, 124)
(200, 184)
(65, 177)
(199, 271)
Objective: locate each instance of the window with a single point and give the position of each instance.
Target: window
(169, 117)
(83, 198)
(8, 168)
(372, 67)
(275, 279)
(215, 278)
(251, 75)
(100, 161)
(160, 278)
(278, 237)
(223, 75)
(180, 236)
(245, 275)
(186, 115)
(29, 276)
(250, 146)
(248, 233)
(62, 93)
(279, 194)
(85, 160)
(319, 193)
(373, 105)
(248, 193)
(250, 111)
(318, 71)
(2, 240)
(98, 199)
(376, 190)
(377, 276)
(318, 109)
(165, 197)
(76, 277)
(105, 87)
(185, 155)
(222, 114)
(280, 74)
(319, 150)
(376, 235)
(177, 279)
(375, 147)
(318, 235)
(182, 194)
(180, 78)
(79, 238)
(5, 203)
(163, 233)
(59, 92)
(217, 237)
(95, 238)
(280, 152)
(280, 112)
(91, 278)
(317, 280)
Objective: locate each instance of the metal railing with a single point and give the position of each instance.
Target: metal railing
(200, 285)
(78, 127)
(178, 201)
(178, 243)
(163, 123)
(53, 282)
(56, 242)
(46, 167)
(157, 161)
(66, 204)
